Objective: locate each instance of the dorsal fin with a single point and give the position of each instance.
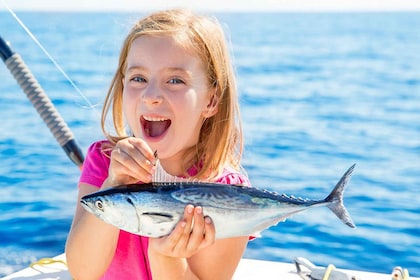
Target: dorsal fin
(162, 176)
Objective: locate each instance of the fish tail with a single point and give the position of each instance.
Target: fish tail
(335, 199)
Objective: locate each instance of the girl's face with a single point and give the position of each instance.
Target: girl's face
(165, 95)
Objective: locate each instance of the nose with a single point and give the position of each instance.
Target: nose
(152, 95)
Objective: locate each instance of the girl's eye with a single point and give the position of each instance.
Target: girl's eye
(138, 79)
(176, 81)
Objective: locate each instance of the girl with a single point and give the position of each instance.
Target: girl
(175, 90)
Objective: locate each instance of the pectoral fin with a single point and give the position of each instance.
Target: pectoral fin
(155, 224)
(157, 218)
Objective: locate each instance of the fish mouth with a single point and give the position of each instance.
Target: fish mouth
(86, 206)
(154, 126)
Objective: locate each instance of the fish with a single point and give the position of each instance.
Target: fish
(154, 209)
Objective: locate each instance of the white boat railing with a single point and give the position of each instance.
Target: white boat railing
(55, 268)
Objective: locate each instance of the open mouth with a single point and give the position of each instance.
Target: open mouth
(154, 126)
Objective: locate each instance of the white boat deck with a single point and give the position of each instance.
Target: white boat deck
(247, 269)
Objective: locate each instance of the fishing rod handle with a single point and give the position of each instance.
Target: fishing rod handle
(44, 107)
(5, 50)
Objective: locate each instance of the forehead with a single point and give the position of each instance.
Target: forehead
(161, 50)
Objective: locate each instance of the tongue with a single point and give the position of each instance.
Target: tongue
(155, 129)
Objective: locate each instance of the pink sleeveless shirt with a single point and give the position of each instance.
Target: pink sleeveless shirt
(131, 259)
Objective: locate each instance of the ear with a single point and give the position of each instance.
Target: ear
(212, 106)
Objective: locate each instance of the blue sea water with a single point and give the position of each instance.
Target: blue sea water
(318, 93)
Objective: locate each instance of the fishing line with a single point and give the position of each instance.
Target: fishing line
(59, 68)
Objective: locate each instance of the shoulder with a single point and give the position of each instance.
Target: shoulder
(232, 176)
(100, 148)
(96, 164)
(99, 153)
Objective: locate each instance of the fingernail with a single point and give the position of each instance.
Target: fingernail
(199, 210)
(155, 159)
(207, 220)
(190, 209)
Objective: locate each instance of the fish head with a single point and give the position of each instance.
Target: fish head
(113, 209)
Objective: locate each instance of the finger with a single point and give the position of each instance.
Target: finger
(123, 166)
(144, 149)
(119, 171)
(209, 233)
(133, 155)
(198, 230)
(187, 225)
(138, 151)
(175, 238)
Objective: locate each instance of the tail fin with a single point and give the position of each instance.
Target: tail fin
(335, 199)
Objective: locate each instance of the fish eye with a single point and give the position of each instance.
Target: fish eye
(99, 205)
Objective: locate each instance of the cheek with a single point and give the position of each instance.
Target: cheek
(129, 108)
(192, 120)
(128, 95)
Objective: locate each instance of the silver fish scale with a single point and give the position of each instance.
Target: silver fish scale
(233, 198)
(211, 197)
(299, 199)
(269, 197)
(288, 197)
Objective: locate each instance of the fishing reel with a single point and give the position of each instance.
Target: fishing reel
(313, 272)
(308, 271)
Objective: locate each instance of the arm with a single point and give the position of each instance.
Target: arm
(221, 259)
(192, 252)
(91, 243)
(87, 256)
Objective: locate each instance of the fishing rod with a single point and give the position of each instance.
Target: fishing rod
(41, 103)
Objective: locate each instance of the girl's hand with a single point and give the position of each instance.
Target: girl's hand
(132, 160)
(193, 233)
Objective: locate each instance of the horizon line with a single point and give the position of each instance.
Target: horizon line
(305, 6)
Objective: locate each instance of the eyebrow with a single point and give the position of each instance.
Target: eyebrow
(169, 69)
(135, 68)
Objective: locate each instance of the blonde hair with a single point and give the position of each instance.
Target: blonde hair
(221, 141)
